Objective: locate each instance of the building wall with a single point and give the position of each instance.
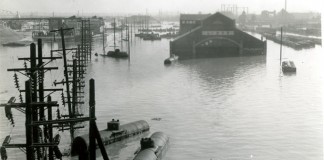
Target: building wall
(54, 23)
(95, 25)
(190, 21)
(187, 25)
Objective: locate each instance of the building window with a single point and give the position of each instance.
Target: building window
(217, 33)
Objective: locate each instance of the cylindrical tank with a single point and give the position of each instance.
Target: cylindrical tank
(112, 134)
(153, 148)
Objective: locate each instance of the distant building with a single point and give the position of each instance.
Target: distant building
(213, 36)
(75, 22)
(190, 21)
(55, 23)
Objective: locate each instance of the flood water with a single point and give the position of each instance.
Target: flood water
(222, 109)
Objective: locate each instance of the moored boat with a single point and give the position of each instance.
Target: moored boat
(288, 66)
(171, 59)
(116, 54)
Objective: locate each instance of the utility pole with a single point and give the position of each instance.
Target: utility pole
(40, 143)
(66, 75)
(34, 138)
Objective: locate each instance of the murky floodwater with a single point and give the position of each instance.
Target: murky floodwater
(222, 108)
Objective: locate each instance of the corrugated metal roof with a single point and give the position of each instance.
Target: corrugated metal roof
(193, 16)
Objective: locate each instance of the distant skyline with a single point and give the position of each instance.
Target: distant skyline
(154, 6)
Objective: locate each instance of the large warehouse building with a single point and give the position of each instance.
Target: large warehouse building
(203, 36)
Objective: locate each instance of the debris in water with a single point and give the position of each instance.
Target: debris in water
(157, 119)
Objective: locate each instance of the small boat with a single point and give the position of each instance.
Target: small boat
(116, 54)
(14, 44)
(288, 66)
(171, 59)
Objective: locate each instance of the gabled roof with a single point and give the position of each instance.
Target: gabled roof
(218, 14)
(194, 17)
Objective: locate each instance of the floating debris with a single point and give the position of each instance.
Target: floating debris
(156, 119)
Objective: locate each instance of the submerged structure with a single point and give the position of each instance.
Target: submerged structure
(213, 36)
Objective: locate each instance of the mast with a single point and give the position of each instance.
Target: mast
(114, 33)
(127, 33)
(280, 44)
(121, 37)
(103, 38)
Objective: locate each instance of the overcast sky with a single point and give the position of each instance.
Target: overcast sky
(140, 6)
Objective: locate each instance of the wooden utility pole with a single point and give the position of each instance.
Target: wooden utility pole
(93, 129)
(29, 128)
(34, 139)
(50, 130)
(71, 114)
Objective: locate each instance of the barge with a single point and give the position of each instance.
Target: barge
(153, 148)
(114, 133)
(116, 54)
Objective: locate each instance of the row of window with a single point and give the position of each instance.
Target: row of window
(188, 22)
(217, 33)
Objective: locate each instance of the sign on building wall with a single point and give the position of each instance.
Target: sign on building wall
(217, 33)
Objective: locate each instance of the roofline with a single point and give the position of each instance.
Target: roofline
(187, 33)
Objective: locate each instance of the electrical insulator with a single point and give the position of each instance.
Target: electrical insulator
(40, 77)
(32, 84)
(58, 114)
(16, 80)
(21, 98)
(62, 97)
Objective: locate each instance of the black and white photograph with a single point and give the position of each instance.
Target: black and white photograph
(161, 80)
